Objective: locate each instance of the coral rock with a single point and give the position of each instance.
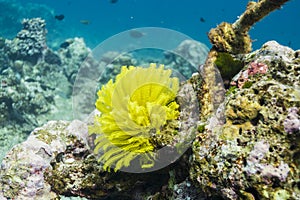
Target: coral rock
(254, 154)
(22, 170)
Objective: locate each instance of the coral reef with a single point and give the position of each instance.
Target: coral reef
(13, 12)
(74, 56)
(32, 93)
(113, 62)
(30, 42)
(246, 144)
(242, 80)
(254, 155)
(247, 149)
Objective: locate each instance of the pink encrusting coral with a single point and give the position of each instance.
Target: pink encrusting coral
(253, 68)
(257, 68)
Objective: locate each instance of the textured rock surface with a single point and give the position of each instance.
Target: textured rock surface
(255, 154)
(56, 160)
(22, 170)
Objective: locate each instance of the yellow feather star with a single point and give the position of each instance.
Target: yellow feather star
(133, 109)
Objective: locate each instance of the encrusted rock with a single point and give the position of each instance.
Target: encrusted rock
(56, 160)
(254, 155)
(22, 170)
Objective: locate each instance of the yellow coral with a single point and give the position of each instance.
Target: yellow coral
(133, 110)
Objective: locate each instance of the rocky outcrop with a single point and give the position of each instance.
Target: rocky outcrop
(255, 153)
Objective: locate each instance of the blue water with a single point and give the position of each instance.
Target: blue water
(191, 17)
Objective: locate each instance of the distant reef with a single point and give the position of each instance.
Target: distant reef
(13, 12)
(35, 81)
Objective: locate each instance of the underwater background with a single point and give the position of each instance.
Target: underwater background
(96, 20)
(48, 73)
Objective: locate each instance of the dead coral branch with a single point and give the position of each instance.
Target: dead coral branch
(234, 38)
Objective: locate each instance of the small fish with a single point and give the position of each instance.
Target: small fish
(30, 80)
(136, 34)
(64, 45)
(202, 19)
(59, 17)
(86, 22)
(113, 1)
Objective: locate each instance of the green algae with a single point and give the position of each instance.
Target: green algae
(227, 65)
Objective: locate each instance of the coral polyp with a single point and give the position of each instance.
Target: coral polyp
(133, 110)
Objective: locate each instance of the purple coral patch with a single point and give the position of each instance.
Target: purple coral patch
(292, 122)
(267, 171)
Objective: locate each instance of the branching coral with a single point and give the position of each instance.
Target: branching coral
(134, 109)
